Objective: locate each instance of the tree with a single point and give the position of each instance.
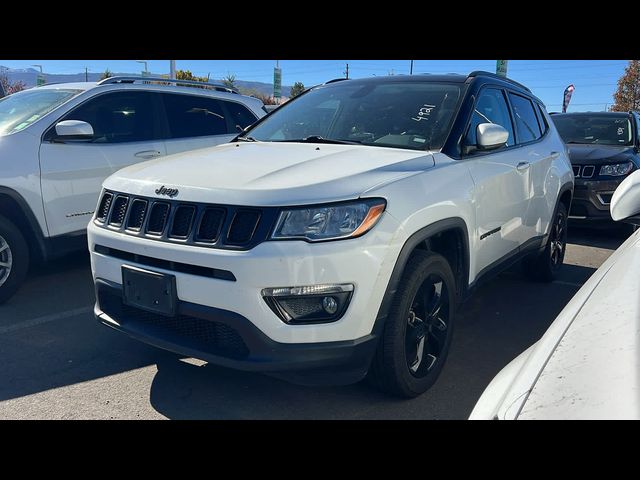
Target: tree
(627, 97)
(11, 87)
(297, 89)
(187, 75)
(229, 81)
(106, 74)
(264, 98)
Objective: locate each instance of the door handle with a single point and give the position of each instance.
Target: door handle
(523, 166)
(148, 154)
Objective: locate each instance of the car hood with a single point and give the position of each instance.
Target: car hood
(594, 372)
(271, 174)
(599, 154)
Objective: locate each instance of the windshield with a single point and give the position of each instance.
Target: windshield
(414, 115)
(594, 129)
(20, 110)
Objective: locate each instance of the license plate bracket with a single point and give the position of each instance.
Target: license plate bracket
(151, 291)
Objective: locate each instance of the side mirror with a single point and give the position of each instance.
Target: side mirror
(73, 130)
(491, 136)
(625, 203)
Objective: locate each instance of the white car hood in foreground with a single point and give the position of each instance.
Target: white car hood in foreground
(587, 364)
(271, 174)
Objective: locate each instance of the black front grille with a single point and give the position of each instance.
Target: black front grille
(587, 171)
(193, 332)
(243, 226)
(210, 224)
(182, 221)
(119, 210)
(216, 226)
(158, 218)
(137, 214)
(103, 208)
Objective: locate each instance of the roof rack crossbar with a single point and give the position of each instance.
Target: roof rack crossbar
(489, 74)
(132, 79)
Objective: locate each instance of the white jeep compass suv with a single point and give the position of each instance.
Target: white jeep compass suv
(59, 142)
(335, 237)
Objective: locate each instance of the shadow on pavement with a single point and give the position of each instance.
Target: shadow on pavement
(610, 237)
(66, 352)
(501, 320)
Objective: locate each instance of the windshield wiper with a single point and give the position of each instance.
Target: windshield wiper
(319, 139)
(245, 139)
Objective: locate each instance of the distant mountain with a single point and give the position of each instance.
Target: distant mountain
(28, 76)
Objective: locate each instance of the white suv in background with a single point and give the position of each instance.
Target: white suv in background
(59, 142)
(337, 235)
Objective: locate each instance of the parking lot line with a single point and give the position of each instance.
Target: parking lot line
(45, 319)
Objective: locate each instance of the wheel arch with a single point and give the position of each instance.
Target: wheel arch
(435, 237)
(15, 208)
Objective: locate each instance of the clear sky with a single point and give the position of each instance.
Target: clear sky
(595, 80)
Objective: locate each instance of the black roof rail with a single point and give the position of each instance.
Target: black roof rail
(478, 73)
(220, 87)
(335, 80)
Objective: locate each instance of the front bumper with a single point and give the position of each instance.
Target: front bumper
(228, 339)
(591, 200)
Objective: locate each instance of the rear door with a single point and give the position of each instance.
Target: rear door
(72, 171)
(196, 121)
(540, 154)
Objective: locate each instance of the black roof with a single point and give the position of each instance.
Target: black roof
(476, 76)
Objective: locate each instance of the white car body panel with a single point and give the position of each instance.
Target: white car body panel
(272, 174)
(586, 364)
(72, 175)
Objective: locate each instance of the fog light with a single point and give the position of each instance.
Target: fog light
(330, 305)
(309, 304)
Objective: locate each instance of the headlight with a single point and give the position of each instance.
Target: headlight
(329, 222)
(617, 169)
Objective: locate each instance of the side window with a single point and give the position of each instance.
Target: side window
(491, 107)
(542, 121)
(118, 117)
(525, 119)
(193, 116)
(240, 115)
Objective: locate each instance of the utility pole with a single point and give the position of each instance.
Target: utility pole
(346, 72)
(39, 77)
(86, 74)
(172, 69)
(146, 71)
(277, 83)
(411, 69)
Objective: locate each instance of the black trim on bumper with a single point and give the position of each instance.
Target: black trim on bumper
(328, 363)
(587, 205)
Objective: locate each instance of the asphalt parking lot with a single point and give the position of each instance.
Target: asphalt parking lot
(59, 363)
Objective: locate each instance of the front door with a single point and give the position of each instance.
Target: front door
(72, 172)
(501, 186)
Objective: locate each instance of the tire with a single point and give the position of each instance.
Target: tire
(545, 266)
(400, 366)
(14, 259)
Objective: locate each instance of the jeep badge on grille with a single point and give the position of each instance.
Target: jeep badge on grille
(169, 192)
